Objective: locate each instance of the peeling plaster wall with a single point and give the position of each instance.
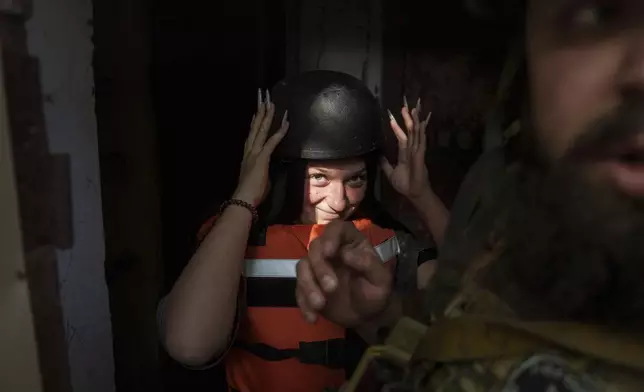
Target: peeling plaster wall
(343, 35)
(59, 35)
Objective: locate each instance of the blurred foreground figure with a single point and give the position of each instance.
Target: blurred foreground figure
(555, 300)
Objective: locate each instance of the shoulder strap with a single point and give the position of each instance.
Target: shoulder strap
(407, 265)
(473, 338)
(410, 247)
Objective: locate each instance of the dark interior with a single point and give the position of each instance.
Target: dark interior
(207, 66)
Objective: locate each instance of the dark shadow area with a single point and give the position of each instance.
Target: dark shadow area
(207, 65)
(451, 59)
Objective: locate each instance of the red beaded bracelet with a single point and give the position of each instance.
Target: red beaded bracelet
(240, 203)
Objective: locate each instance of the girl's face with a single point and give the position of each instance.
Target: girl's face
(333, 190)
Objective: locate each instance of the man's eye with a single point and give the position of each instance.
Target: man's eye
(590, 15)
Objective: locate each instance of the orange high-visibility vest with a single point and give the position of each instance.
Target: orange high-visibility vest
(275, 349)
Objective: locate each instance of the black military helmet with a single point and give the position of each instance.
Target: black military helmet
(332, 115)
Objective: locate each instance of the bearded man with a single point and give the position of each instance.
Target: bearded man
(559, 256)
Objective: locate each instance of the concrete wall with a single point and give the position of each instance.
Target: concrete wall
(59, 36)
(343, 35)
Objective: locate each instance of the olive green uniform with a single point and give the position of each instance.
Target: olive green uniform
(475, 343)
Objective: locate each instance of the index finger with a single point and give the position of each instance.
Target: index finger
(265, 125)
(311, 297)
(340, 233)
(401, 136)
(255, 123)
(319, 259)
(326, 248)
(409, 121)
(345, 242)
(277, 137)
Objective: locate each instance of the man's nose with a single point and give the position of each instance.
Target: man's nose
(337, 198)
(632, 70)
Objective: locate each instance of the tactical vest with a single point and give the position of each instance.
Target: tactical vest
(275, 349)
(479, 346)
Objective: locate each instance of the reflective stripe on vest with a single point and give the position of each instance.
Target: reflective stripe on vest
(285, 268)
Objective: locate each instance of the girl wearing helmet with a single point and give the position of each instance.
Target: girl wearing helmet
(235, 300)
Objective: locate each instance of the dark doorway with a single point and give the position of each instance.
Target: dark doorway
(208, 62)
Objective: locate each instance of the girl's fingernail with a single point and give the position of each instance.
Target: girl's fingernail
(405, 101)
(259, 97)
(391, 116)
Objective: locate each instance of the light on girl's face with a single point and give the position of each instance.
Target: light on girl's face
(333, 190)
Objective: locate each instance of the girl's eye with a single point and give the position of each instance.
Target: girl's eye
(317, 179)
(357, 181)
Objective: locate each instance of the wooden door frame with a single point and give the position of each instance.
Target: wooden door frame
(39, 208)
(17, 334)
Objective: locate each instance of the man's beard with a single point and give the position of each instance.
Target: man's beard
(573, 248)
